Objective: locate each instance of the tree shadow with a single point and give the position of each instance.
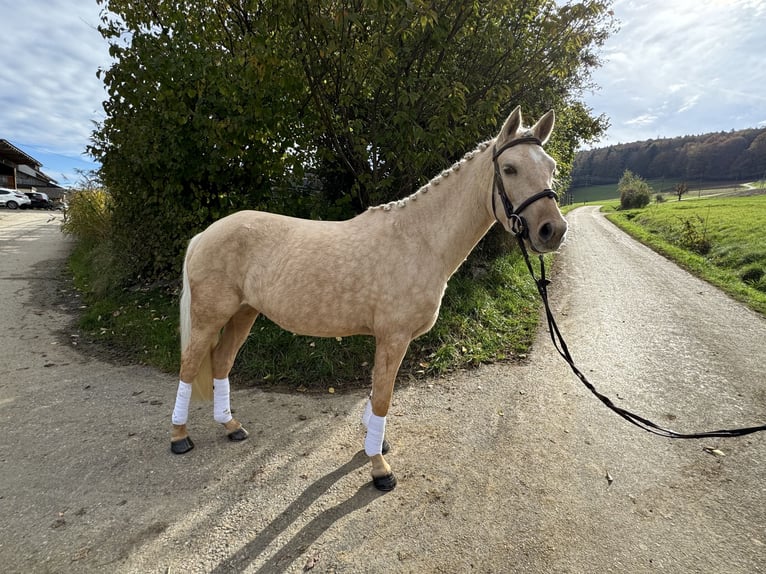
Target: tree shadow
(239, 561)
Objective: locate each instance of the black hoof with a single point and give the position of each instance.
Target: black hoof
(181, 446)
(384, 483)
(238, 435)
(386, 446)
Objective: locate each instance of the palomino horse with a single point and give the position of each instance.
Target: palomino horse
(382, 273)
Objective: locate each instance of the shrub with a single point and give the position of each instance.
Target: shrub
(753, 273)
(693, 236)
(635, 193)
(89, 220)
(89, 216)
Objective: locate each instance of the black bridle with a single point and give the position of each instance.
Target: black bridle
(517, 223)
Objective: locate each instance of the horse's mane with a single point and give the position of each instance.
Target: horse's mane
(435, 181)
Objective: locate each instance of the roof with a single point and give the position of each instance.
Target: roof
(12, 153)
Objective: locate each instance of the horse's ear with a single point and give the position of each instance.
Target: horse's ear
(510, 127)
(544, 126)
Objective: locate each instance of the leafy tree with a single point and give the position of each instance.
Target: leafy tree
(634, 191)
(319, 108)
(738, 155)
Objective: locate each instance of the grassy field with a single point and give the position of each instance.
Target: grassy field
(607, 192)
(719, 237)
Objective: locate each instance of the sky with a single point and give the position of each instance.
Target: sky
(682, 67)
(674, 68)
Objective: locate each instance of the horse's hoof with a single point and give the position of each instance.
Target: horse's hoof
(386, 446)
(238, 435)
(181, 446)
(384, 483)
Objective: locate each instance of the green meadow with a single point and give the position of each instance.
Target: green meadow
(718, 237)
(607, 192)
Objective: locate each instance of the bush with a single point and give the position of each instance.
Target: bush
(693, 236)
(753, 273)
(89, 216)
(635, 193)
(89, 220)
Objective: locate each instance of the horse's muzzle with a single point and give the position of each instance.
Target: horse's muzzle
(548, 236)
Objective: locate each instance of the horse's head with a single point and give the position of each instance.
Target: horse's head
(523, 181)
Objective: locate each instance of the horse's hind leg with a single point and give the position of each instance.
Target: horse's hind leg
(202, 318)
(233, 337)
(192, 357)
(389, 353)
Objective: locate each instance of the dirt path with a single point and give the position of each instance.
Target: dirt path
(502, 469)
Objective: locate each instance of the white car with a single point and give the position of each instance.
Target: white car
(13, 199)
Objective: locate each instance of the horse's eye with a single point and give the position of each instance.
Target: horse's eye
(509, 170)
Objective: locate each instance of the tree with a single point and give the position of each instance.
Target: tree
(739, 155)
(634, 191)
(217, 105)
(680, 189)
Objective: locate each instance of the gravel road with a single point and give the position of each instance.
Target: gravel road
(503, 469)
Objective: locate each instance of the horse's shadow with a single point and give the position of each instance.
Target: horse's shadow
(309, 533)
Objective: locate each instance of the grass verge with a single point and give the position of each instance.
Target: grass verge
(721, 240)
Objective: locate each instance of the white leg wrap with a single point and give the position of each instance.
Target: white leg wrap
(221, 404)
(367, 413)
(181, 410)
(376, 431)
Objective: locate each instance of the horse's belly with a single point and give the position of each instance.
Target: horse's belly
(318, 326)
(305, 315)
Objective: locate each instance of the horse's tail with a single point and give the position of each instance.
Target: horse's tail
(202, 386)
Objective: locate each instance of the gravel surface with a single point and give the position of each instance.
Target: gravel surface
(505, 468)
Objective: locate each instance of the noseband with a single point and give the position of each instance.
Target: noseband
(518, 224)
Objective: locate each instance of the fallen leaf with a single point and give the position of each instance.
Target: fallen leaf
(311, 562)
(713, 451)
(609, 478)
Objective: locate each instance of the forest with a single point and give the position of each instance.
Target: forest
(722, 156)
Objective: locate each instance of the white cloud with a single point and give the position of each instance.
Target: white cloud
(49, 93)
(688, 103)
(691, 66)
(642, 120)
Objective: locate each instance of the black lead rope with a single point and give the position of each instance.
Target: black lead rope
(518, 226)
(558, 342)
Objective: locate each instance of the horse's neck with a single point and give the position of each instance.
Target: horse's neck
(451, 214)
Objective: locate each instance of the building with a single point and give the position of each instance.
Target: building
(21, 171)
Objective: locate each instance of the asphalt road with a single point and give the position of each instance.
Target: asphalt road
(503, 469)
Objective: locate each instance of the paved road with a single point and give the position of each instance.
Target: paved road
(502, 469)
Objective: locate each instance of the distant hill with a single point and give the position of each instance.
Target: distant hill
(733, 156)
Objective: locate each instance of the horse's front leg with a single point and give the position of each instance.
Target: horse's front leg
(389, 353)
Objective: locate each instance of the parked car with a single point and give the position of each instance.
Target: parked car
(13, 199)
(39, 200)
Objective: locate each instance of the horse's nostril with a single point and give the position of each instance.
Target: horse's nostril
(546, 231)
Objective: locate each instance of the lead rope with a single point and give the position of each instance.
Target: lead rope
(561, 346)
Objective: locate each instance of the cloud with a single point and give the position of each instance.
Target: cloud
(682, 67)
(49, 93)
(689, 102)
(642, 120)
